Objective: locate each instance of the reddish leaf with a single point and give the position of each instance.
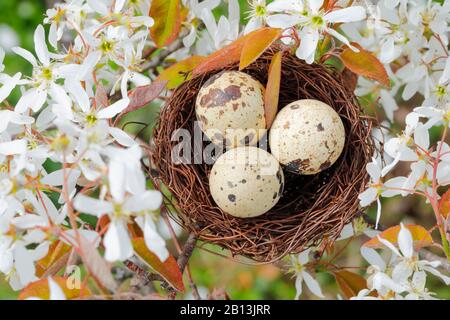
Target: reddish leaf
(364, 63)
(98, 268)
(272, 93)
(101, 97)
(350, 79)
(421, 237)
(444, 204)
(180, 72)
(223, 57)
(40, 289)
(350, 283)
(257, 42)
(135, 230)
(141, 96)
(169, 269)
(168, 17)
(58, 250)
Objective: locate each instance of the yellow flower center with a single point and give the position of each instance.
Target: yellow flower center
(107, 46)
(91, 119)
(60, 143)
(260, 10)
(317, 21)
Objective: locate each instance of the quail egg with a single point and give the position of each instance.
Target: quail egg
(307, 136)
(246, 182)
(230, 109)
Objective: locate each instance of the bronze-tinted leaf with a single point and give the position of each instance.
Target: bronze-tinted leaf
(58, 250)
(350, 283)
(97, 266)
(180, 72)
(257, 43)
(364, 63)
(223, 57)
(168, 17)
(421, 236)
(168, 269)
(444, 204)
(40, 289)
(272, 93)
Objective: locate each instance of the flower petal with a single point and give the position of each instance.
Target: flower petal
(13, 147)
(9, 85)
(117, 242)
(405, 242)
(40, 45)
(373, 258)
(79, 94)
(121, 137)
(312, 284)
(283, 20)
(149, 200)
(27, 55)
(154, 242)
(92, 206)
(114, 109)
(56, 293)
(350, 14)
(315, 5)
(308, 45)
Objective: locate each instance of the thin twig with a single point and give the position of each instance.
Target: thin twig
(158, 60)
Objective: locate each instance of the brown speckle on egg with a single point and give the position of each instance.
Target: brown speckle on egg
(225, 107)
(252, 188)
(314, 140)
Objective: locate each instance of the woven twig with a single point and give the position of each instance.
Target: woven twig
(312, 208)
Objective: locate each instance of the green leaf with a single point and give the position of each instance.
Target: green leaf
(168, 269)
(167, 16)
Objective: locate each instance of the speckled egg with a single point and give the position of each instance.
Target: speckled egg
(246, 182)
(307, 136)
(230, 109)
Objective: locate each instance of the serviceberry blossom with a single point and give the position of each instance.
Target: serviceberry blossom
(378, 188)
(313, 22)
(299, 267)
(404, 277)
(64, 115)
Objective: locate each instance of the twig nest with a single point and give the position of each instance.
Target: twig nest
(311, 209)
(307, 136)
(246, 182)
(230, 109)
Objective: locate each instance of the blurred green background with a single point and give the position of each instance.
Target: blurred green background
(18, 19)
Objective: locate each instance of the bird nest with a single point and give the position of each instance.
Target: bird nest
(312, 209)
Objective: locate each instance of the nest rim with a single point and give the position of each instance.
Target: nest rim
(312, 209)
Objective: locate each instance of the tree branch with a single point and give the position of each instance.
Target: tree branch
(186, 254)
(146, 277)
